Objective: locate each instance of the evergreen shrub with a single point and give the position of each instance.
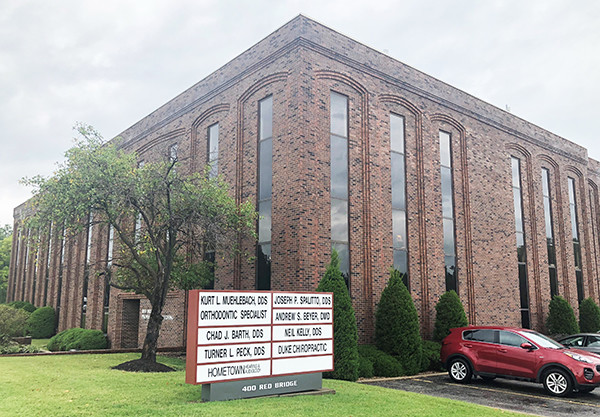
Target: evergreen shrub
(23, 305)
(345, 332)
(365, 367)
(397, 330)
(384, 365)
(589, 316)
(449, 313)
(561, 318)
(40, 324)
(78, 339)
(430, 361)
(13, 321)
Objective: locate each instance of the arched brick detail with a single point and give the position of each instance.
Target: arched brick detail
(423, 256)
(160, 139)
(533, 234)
(239, 152)
(367, 272)
(466, 207)
(219, 108)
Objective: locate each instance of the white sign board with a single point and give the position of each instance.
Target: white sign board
(234, 335)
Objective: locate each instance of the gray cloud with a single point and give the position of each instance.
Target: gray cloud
(110, 63)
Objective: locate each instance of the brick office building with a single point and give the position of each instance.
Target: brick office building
(341, 146)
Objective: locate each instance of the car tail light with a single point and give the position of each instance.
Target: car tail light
(588, 373)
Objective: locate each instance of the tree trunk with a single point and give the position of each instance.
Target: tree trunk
(159, 296)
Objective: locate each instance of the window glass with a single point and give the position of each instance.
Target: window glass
(593, 341)
(524, 290)
(339, 220)
(339, 114)
(397, 133)
(400, 261)
(342, 250)
(398, 182)
(481, 335)
(447, 203)
(266, 118)
(339, 167)
(399, 228)
(265, 169)
(511, 339)
(264, 222)
(576, 341)
(445, 158)
(448, 236)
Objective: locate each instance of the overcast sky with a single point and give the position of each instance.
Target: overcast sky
(109, 63)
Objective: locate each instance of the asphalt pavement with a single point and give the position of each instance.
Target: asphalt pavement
(524, 397)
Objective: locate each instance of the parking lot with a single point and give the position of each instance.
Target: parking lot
(501, 393)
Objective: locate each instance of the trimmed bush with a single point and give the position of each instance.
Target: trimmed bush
(365, 367)
(13, 321)
(449, 313)
(345, 333)
(383, 364)
(23, 305)
(589, 316)
(397, 329)
(8, 347)
(78, 339)
(561, 318)
(40, 324)
(430, 361)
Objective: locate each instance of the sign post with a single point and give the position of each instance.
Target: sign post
(244, 344)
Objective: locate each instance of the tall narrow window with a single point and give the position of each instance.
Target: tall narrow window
(137, 225)
(549, 232)
(521, 251)
(35, 270)
(576, 241)
(339, 181)
(86, 273)
(213, 150)
(26, 264)
(448, 212)
(18, 249)
(265, 182)
(399, 195)
(61, 268)
(48, 258)
(107, 275)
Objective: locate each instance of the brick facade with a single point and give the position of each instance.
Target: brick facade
(299, 65)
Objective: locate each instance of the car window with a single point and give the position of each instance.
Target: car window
(481, 335)
(593, 341)
(540, 339)
(511, 339)
(575, 341)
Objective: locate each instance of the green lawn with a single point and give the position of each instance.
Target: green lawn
(84, 385)
(41, 343)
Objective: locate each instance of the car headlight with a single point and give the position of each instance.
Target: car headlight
(577, 357)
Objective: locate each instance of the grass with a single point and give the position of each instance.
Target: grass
(84, 385)
(41, 343)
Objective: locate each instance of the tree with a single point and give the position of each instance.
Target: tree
(163, 219)
(397, 325)
(561, 318)
(345, 332)
(589, 316)
(5, 247)
(449, 313)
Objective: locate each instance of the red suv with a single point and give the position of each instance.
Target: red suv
(490, 352)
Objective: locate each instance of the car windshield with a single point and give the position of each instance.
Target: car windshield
(541, 340)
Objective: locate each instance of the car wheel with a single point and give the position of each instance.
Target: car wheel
(586, 389)
(557, 382)
(459, 370)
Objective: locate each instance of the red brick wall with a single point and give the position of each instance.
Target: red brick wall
(299, 65)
